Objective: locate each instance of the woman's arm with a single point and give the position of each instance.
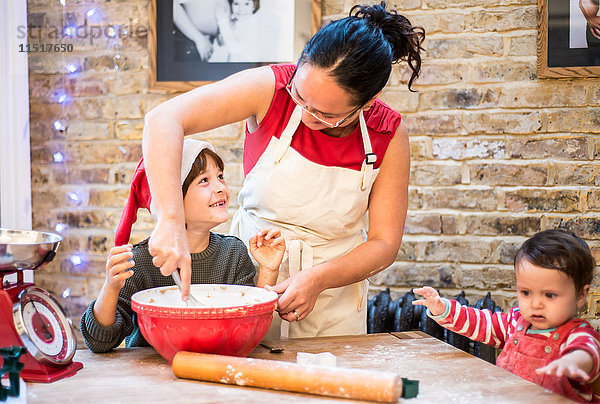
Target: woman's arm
(388, 203)
(245, 95)
(590, 9)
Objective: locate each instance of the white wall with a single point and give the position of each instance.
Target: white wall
(15, 167)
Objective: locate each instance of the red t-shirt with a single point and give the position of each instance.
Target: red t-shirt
(314, 145)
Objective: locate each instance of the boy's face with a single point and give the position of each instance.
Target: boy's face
(207, 199)
(547, 297)
(242, 7)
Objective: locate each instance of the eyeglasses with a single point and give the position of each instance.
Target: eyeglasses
(330, 125)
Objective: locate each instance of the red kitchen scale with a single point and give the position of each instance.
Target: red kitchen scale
(29, 315)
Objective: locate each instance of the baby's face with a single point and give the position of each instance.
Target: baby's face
(547, 297)
(207, 199)
(242, 7)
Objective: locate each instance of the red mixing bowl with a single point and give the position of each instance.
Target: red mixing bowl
(234, 321)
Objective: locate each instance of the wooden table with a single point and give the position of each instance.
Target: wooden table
(445, 374)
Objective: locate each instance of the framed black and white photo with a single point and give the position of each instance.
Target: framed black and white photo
(194, 42)
(568, 38)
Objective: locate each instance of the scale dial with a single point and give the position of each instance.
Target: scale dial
(43, 327)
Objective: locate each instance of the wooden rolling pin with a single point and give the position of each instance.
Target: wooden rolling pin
(327, 381)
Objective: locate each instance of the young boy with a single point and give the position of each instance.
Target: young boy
(541, 339)
(215, 258)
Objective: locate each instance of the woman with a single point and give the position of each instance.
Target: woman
(320, 150)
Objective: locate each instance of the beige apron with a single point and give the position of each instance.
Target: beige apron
(321, 212)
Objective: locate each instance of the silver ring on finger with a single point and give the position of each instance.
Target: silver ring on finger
(296, 314)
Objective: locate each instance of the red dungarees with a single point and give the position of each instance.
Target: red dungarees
(523, 354)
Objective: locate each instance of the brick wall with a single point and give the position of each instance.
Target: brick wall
(497, 154)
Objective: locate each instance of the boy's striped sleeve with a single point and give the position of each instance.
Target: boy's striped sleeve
(478, 325)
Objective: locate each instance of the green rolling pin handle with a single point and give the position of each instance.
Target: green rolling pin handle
(13, 367)
(410, 388)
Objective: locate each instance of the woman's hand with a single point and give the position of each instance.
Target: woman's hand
(117, 264)
(432, 300)
(169, 246)
(298, 296)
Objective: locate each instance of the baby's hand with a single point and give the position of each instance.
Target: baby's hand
(566, 366)
(118, 262)
(268, 247)
(432, 300)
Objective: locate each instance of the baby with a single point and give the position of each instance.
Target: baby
(541, 339)
(215, 258)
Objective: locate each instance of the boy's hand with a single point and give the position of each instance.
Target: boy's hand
(267, 247)
(432, 300)
(569, 366)
(118, 262)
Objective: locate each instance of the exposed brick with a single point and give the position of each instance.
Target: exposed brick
(423, 224)
(506, 250)
(100, 244)
(501, 225)
(467, 199)
(81, 86)
(485, 278)
(39, 176)
(441, 4)
(407, 251)
(502, 71)
(505, 20)
(543, 200)
(405, 101)
(415, 200)
(508, 174)
(88, 175)
(420, 148)
(465, 47)
(460, 149)
(455, 250)
(560, 147)
(585, 227)
(108, 197)
(449, 224)
(593, 199)
(415, 275)
(84, 219)
(130, 129)
(522, 45)
(490, 123)
(577, 174)
(86, 130)
(467, 98)
(431, 124)
(109, 153)
(542, 94)
(436, 72)
(593, 94)
(435, 174)
(576, 120)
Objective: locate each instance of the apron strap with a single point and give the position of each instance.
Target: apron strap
(286, 136)
(370, 157)
(300, 256)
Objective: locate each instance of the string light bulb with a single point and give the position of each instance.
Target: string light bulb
(58, 157)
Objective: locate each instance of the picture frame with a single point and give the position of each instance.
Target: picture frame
(563, 49)
(174, 71)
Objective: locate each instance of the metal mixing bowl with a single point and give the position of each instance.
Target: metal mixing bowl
(26, 249)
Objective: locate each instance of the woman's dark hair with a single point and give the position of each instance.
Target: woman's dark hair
(199, 166)
(359, 50)
(561, 250)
